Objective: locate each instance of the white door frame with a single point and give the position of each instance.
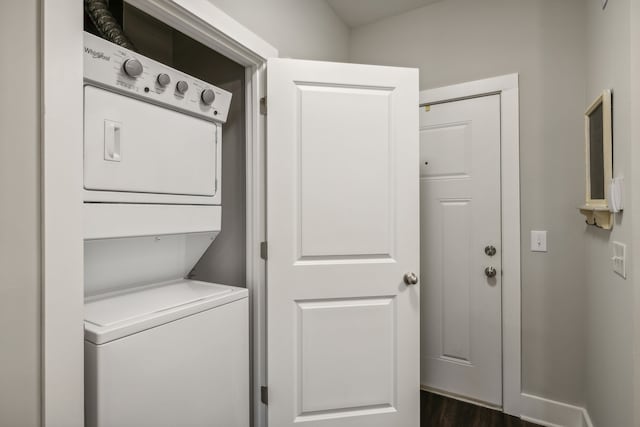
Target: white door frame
(62, 148)
(507, 87)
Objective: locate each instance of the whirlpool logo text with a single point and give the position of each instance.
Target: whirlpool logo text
(96, 55)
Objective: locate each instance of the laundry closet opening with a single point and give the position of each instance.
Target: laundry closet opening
(225, 260)
(166, 307)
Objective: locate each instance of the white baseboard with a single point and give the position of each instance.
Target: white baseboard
(550, 413)
(586, 419)
(538, 410)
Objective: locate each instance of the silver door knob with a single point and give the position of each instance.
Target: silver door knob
(490, 272)
(410, 278)
(490, 250)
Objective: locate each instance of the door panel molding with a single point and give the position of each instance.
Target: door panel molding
(507, 87)
(371, 333)
(320, 226)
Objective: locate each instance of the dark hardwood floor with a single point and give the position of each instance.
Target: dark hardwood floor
(440, 411)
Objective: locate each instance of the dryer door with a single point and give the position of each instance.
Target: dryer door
(136, 147)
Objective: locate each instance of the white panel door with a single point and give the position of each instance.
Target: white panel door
(461, 343)
(343, 229)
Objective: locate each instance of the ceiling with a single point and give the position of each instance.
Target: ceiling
(360, 12)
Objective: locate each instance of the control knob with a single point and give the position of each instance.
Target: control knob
(207, 96)
(182, 87)
(132, 67)
(163, 79)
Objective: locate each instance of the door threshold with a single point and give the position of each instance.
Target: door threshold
(460, 397)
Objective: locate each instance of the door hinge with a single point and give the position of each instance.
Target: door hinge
(264, 250)
(263, 105)
(264, 394)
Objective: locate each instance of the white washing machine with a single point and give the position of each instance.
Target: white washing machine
(167, 355)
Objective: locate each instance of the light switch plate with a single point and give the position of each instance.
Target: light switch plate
(538, 241)
(619, 259)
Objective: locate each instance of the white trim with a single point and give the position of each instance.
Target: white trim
(469, 89)
(62, 254)
(256, 233)
(204, 22)
(550, 413)
(507, 87)
(62, 266)
(586, 419)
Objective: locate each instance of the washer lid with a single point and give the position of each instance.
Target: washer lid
(114, 315)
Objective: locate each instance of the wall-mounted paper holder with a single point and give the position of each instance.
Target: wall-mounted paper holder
(616, 193)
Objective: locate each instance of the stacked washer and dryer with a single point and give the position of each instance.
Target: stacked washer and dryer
(160, 350)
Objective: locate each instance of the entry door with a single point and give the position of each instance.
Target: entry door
(342, 231)
(461, 343)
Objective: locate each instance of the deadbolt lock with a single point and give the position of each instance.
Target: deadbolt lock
(490, 250)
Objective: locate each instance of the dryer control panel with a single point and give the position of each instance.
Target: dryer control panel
(115, 68)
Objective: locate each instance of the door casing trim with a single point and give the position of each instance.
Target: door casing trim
(508, 89)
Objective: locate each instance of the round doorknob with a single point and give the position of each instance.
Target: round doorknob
(410, 279)
(490, 272)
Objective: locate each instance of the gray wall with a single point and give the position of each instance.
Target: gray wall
(460, 40)
(303, 29)
(610, 299)
(635, 172)
(20, 213)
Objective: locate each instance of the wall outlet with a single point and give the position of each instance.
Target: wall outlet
(538, 241)
(619, 259)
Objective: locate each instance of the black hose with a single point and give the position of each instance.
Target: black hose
(108, 27)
